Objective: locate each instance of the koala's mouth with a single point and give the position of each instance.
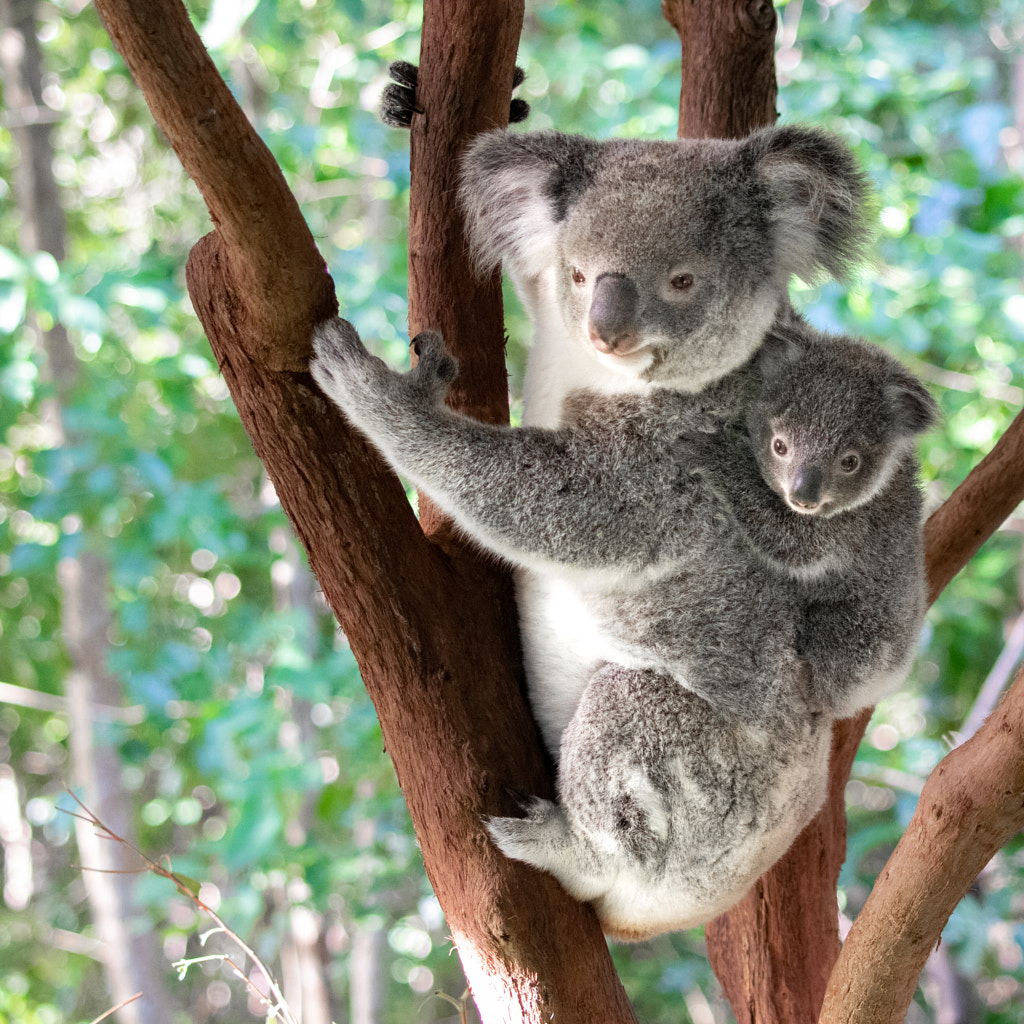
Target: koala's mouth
(808, 508)
(633, 360)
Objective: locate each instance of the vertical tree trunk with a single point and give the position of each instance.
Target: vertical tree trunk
(132, 963)
(728, 66)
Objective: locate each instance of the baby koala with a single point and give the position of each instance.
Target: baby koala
(821, 483)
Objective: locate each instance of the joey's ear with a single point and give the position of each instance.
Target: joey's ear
(819, 199)
(516, 190)
(912, 409)
(778, 352)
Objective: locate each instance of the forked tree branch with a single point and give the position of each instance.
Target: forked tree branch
(431, 629)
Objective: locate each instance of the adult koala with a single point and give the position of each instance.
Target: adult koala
(647, 264)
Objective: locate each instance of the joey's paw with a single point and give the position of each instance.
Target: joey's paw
(435, 369)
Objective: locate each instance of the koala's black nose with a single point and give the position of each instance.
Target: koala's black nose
(806, 489)
(613, 309)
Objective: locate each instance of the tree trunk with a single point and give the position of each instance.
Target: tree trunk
(433, 626)
(132, 963)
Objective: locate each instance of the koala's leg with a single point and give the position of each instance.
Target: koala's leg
(546, 839)
(537, 497)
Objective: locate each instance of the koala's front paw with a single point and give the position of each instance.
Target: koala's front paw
(345, 371)
(398, 101)
(435, 369)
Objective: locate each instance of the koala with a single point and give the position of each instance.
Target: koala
(646, 265)
(697, 745)
(818, 479)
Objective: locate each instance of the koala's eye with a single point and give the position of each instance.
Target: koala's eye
(850, 462)
(779, 446)
(578, 277)
(682, 282)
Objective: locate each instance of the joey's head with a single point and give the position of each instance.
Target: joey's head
(666, 261)
(833, 419)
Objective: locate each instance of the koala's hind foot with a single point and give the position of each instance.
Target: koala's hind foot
(546, 839)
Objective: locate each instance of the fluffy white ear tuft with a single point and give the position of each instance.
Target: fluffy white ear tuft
(516, 190)
(819, 200)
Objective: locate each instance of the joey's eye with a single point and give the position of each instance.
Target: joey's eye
(779, 446)
(850, 463)
(682, 282)
(578, 276)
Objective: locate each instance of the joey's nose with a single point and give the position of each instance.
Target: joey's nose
(613, 310)
(806, 490)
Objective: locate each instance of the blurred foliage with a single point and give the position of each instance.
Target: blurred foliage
(258, 765)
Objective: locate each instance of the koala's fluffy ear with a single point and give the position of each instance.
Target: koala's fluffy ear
(516, 190)
(912, 409)
(819, 199)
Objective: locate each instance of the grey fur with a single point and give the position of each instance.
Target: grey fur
(699, 746)
(705, 233)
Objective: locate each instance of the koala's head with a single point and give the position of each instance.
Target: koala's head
(669, 259)
(833, 418)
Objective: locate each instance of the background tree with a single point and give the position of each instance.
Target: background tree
(199, 720)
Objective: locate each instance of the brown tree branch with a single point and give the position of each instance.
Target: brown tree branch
(728, 66)
(971, 806)
(433, 630)
(268, 250)
(975, 509)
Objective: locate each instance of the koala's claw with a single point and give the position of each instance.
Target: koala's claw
(398, 100)
(435, 366)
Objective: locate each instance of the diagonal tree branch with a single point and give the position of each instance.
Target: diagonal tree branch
(433, 630)
(971, 806)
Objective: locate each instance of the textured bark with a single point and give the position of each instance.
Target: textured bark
(971, 806)
(728, 67)
(433, 629)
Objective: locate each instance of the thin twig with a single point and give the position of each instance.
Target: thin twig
(114, 1009)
